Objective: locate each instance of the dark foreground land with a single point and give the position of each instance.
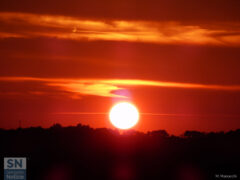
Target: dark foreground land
(84, 153)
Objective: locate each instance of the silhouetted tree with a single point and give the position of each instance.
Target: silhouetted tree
(194, 134)
(82, 152)
(159, 133)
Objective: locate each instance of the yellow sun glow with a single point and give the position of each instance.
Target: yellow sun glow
(124, 115)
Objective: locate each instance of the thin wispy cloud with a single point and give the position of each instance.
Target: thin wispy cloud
(155, 114)
(64, 27)
(108, 87)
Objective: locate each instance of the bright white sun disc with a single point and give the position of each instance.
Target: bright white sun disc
(124, 115)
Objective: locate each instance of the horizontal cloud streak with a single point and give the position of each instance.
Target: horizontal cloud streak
(156, 114)
(107, 87)
(184, 10)
(34, 25)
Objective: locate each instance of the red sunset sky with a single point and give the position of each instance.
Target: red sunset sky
(69, 61)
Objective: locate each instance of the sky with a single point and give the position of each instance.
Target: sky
(69, 62)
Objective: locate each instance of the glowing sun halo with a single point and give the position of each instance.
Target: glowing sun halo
(124, 115)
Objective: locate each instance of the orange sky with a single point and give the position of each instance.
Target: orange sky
(68, 62)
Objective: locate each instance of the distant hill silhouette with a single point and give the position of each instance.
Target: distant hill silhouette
(81, 152)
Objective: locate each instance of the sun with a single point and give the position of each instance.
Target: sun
(124, 115)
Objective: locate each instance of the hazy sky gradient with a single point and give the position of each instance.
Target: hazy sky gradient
(68, 62)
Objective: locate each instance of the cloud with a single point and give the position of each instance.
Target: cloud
(89, 88)
(150, 10)
(162, 32)
(108, 87)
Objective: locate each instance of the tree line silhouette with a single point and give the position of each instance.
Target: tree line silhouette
(81, 152)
